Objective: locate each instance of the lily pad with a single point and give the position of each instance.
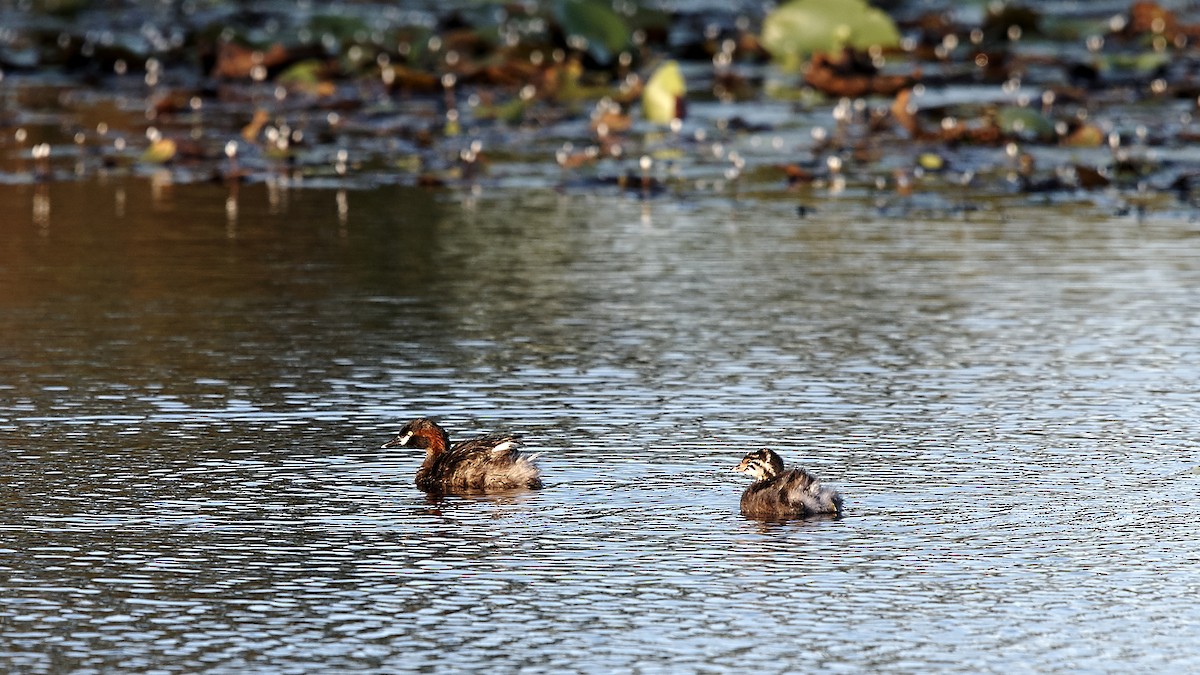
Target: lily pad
(663, 94)
(1024, 122)
(602, 32)
(799, 28)
(1086, 136)
(1141, 63)
(160, 151)
(303, 74)
(509, 112)
(931, 161)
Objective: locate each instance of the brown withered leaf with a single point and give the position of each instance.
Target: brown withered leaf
(986, 133)
(410, 79)
(1089, 178)
(170, 103)
(1085, 136)
(575, 160)
(850, 74)
(465, 41)
(510, 73)
(1150, 17)
(613, 121)
(237, 62)
(797, 175)
(903, 114)
(251, 131)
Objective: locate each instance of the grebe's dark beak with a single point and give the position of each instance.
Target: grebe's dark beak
(397, 442)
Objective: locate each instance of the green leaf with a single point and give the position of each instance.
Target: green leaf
(1144, 63)
(662, 93)
(305, 73)
(510, 112)
(594, 21)
(795, 30)
(1024, 122)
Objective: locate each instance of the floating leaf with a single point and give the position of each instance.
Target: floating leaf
(306, 76)
(1086, 136)
(1144, 63)
(565, 81)
(1089, 178)
(663, 96)
(611, 121)
(799, 28)
(603, 32)
(251, 131)
(668, 155)
(931, 161)
(408, 163)
(1024, 122)
(235, 61)
(159, 152)
(510, 112)
(847, 74)
(302, 73)
(905, 113)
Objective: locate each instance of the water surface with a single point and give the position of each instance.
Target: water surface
(194, 384)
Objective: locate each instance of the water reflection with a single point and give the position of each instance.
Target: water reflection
(41, 208)
(231, 211)
(190, 424)
(343, 211)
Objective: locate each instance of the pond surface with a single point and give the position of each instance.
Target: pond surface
(194, 385)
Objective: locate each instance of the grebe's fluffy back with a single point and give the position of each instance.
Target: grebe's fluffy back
(484, 464)
(782, 493)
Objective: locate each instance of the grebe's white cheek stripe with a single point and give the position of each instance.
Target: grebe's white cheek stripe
(405, 438)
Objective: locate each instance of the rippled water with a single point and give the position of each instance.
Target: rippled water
(194, 386)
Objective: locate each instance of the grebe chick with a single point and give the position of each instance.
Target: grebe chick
(780, 493)
(482, 464)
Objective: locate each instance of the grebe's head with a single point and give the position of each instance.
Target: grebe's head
(761, 464)
(421, 433)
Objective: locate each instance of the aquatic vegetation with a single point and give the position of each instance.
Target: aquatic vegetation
(663, 97)
(800, 28)
(575, 93)
(593, 27)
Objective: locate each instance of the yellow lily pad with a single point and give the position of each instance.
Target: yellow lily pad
(662, 95)
(159, 152)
